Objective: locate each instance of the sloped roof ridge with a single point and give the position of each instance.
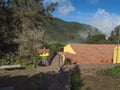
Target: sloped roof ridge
(76, 46)
(89, 44)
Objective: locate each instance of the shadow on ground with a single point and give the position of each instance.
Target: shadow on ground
(62, 80)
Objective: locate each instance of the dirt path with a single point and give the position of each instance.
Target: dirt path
(90, 69)
(51, 81)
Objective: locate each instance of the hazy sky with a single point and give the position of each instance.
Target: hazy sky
(103, 14)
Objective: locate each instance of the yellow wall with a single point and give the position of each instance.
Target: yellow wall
(69, 49)
(116, 56)
(63, 59)
(44, 54)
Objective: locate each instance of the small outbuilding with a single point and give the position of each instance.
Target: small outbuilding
(44, 52)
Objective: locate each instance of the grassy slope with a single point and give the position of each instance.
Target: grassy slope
(113, 72)
(107, 79)
(65, 32)
(100, 83)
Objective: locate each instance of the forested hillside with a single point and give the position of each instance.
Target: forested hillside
(67, 32)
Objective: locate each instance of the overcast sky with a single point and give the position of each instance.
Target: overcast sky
(103, 14)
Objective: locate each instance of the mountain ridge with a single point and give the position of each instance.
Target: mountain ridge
(67, 32)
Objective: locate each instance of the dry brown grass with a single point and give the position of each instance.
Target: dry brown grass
(100, 83)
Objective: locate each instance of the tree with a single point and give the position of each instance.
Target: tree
(21, 30)
(114, 37)
(32, 7)
(96, 39)
(56, 47)
(49, 9)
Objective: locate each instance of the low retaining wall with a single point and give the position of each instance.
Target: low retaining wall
(90, 69)
(10, 66)
(93, 68)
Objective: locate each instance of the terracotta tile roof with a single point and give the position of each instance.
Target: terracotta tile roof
(68, 56)
(93, 53)
(43, 50)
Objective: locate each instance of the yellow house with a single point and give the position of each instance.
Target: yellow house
(116, 55)
(44, 52)
(68, 53)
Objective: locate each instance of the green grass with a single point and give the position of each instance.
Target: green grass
(14, 70)
(114, 72)
(2, 70)
(29, 66)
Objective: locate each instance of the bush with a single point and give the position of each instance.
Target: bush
(30, 62)
(4, 62)
(76, 80)
(10, 60)
(56, 47)
(96, 39)
(113, 72)
(38, 82)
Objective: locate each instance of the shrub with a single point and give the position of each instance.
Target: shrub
(76, 80)
(4, 62)
(56, 47)
(114, 72)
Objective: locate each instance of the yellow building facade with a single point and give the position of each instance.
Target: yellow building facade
(44, 54)
(116, 56)
(69, 49)
(63, 59)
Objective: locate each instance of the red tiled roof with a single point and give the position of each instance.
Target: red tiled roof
(43, 50)
(93, 53)
(68, 56)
